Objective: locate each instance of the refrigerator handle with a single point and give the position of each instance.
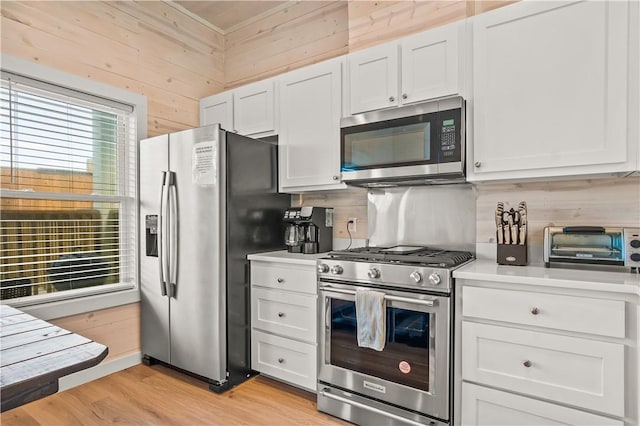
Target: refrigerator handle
(161, 259)
(173, 235)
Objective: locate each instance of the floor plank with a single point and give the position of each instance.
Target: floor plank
(160, 396)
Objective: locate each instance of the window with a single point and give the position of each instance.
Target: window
(67, 191)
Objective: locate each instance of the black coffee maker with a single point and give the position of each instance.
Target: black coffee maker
(308, 230)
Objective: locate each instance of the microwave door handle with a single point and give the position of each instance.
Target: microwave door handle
(326, 393)
(390, 298)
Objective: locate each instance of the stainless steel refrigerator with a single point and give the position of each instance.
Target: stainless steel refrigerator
(207, 199)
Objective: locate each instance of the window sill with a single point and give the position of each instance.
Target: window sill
(77, 302)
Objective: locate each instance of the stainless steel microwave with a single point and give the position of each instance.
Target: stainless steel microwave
(411, 145)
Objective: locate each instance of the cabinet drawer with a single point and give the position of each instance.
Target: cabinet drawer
(284, 359)
(581, 314)
(284, 277)
(484, 406)
(581, 372)
(284, 313)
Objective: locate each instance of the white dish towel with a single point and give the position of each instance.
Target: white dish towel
(371, 319)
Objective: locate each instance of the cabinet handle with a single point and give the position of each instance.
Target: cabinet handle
(535, 311)
(280, 314)
(391, 99)
(477, 164)
(335, 177)
(280, 280)
(527, 363)
(405, 96)
(280, 360)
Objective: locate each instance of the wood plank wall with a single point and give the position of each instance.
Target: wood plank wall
(289, 37)
(145, 47)
(117, 327)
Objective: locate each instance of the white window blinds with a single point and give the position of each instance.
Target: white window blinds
(67, 190)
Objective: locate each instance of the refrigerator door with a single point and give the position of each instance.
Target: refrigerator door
(196, 282)
(254, 213)
(154, 306)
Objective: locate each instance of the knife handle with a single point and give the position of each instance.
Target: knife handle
(507, 234)
(500, 234)
(514, 234)
(523, 234)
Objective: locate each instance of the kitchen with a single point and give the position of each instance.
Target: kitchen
(175, 60)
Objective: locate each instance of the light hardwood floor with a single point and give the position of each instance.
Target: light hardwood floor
(160, 396)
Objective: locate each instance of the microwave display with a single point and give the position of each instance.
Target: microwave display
(430, 138)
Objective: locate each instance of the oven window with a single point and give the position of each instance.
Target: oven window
(388, 146)
(405, 358)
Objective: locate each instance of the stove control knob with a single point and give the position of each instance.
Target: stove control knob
(374, 273)
(323, 268)
(416, 277)
(336, 270)
(434, 278)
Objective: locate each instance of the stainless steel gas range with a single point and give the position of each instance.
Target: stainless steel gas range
(409, 381)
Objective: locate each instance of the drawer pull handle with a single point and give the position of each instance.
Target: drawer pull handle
(280, 280)
(527, 363)
(280, 360)
(280, 314)
(535, 311)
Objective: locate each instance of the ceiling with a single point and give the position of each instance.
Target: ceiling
(225, 15)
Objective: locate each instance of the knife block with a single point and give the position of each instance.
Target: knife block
(512, 254)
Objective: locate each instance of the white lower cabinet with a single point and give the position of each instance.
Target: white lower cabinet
(491, 407)
(581, 372)
(283, 321)
(285, 359)
(539, 355)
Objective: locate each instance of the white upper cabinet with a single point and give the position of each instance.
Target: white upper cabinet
(416, 68)
(309, 129)
(432, 63)
(217, 109)
(248, 110)
(254, 108)
(373, 78)
(551, 91)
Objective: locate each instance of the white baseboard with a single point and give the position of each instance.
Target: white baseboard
(100, 370)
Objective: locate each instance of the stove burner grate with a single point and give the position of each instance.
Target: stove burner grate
(405, 254)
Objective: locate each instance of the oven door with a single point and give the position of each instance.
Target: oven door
(412, 371)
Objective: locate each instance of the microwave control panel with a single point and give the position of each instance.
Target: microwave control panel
(448, 136)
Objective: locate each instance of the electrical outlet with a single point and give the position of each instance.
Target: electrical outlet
(354, 221)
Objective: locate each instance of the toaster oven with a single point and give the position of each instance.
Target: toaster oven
(592, 245)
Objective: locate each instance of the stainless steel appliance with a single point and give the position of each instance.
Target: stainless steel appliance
(308, 229)
(410, 380)
(414, 144)
(595, 245)
(207, 198)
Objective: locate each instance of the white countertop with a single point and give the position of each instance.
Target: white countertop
(617, 282)
(284, 256)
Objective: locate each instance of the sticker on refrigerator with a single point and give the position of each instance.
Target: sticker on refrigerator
(203, 163)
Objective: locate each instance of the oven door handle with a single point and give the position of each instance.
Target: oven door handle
(326, 393)
(430, 303)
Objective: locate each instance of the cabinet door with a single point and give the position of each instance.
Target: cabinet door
(309, 139)
(254, 109)
(373, 78)
(217, 109)
(431, 63)
(485, 406)
(581, 372)
(550, 90)
(291, 315)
